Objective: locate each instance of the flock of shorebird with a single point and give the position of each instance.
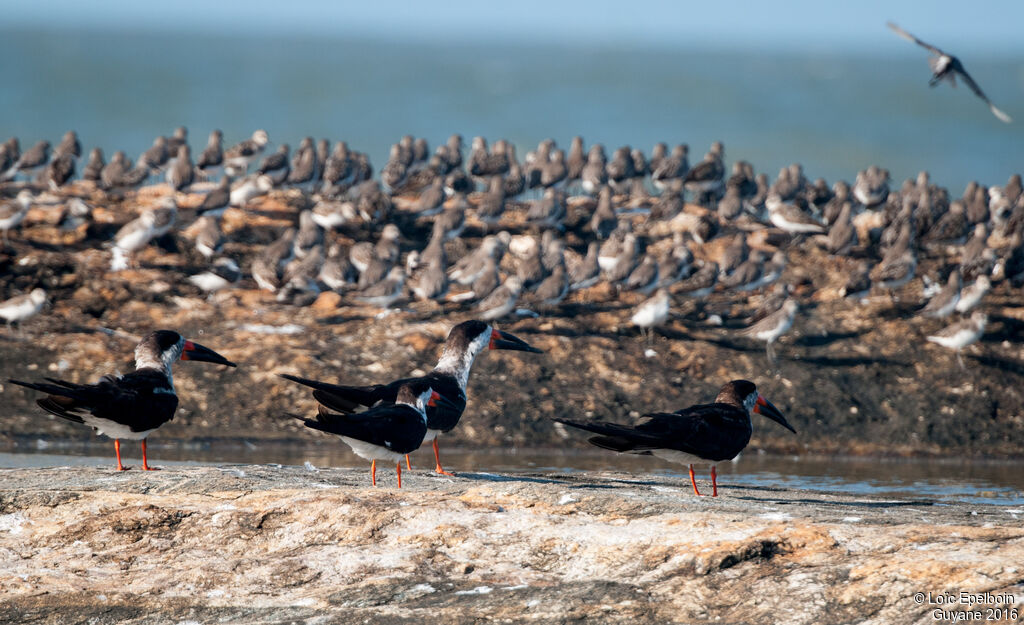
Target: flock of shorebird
(531, 234)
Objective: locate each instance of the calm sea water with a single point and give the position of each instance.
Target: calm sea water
(834, 113)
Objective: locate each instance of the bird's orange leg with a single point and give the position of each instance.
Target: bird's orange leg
(407, 464)
(373, 472)
(398, 466)
(714, 482)
(145, 466)
(117, 450)
(437, 458)
(693, 480)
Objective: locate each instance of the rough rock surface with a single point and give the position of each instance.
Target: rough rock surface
(267, 544)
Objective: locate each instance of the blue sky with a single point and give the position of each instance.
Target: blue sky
(991, 28)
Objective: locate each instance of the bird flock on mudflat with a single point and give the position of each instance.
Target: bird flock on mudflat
(488, 234)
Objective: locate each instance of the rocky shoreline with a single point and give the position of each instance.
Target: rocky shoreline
(265, 544)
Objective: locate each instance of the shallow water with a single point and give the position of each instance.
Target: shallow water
(944, 481)
(835, 112)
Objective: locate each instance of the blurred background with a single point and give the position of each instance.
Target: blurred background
(825, 85)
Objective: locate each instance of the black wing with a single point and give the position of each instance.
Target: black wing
(1003, 117)
(141, 400)
(346, 399)
(902, 33)
(397, 427)
(711, 431)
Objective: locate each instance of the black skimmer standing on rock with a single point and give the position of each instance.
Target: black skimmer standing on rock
(701, 434)
(946, 67)
(385, 431)
(449, 378)
(129, 406)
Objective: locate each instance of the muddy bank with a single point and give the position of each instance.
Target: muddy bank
(259, 544)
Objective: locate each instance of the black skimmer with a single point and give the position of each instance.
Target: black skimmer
(129, 406)
(773, 326)
(945, 66)
(961, 334)
(448, 378)
(387, 431)
(22, 307)
(13, 213)
(700, 434)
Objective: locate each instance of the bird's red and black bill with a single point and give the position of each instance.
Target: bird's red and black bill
(439, 401)
(195, 351)
(765, 408)
(504, 340)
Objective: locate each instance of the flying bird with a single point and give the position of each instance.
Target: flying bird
(946, 67)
